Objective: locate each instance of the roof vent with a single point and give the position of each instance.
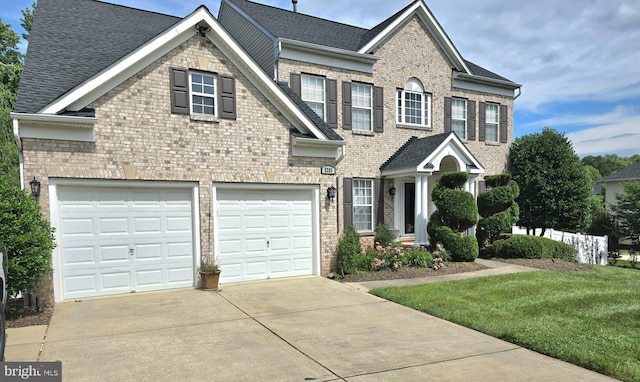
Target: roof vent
(295, 4)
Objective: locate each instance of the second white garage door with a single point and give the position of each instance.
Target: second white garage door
(264, 234)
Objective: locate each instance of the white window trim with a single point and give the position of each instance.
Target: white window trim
(205, 95)
(464, 120)
(497, 122)
(324, 92)
(426, 109)
(371, 206)
(370, 108)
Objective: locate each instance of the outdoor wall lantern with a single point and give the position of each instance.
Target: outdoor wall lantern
(392, 191)
(331, 193)
(35, 187)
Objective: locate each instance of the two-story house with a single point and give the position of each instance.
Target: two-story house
(253, 138)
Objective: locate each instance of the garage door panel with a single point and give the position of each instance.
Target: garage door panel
(258, 233)
(98, 227)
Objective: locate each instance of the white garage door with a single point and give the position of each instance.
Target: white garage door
(122, 240)
(264, 234)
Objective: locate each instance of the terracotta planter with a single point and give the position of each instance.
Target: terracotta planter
(209, 281)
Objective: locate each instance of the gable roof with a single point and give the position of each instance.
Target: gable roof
(288, 25)
(79, 86)
(628, 173)
(73, 40)
(425, 155)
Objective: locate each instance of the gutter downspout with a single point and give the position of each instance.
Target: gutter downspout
(518, 95)
(18, 140)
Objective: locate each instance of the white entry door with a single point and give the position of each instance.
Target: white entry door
(117, 240)
(264, 234)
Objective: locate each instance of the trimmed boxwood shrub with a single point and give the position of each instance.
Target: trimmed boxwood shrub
(457, 212)
(530, 247)
(497, 207)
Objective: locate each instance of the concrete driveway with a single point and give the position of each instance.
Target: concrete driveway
(299, 329)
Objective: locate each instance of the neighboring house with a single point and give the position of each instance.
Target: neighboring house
(614, 185)
(161, 140)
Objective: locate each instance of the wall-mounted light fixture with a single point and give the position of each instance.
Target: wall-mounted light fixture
(35, 187)
(202, 29)
(392, 191)
(331, 193)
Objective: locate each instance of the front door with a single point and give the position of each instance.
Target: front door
(409, 208)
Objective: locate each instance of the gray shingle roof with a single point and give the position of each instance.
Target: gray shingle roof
(627, 173)
(413, 152)
(320, 124)
(284, 23)
(73, 40)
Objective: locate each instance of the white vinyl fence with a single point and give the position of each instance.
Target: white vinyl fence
(591, 249)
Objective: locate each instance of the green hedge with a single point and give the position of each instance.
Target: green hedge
(530, 247)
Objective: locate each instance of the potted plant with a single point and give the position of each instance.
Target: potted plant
(209, 274)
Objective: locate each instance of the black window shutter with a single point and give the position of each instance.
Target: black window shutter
(346, 105)
(471, 120)
(482, 128)
(447, 114)
(227, 97)
(379, 190)
(179, 81)
(332, 103)
(503, 123)
(347, 189)
(296, 84)
(378, 109)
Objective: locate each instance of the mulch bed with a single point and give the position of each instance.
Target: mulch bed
(17, 315)
(549, 264)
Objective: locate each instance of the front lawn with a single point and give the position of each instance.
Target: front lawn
(589, 319)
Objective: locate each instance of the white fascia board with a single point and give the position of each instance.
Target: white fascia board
(322, 55)
(58, 127)
(434, 27)
(453, 146)
(485, 85)
(407, 172)
(307, 147)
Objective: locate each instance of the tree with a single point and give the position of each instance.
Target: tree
(457, 212)
(27, 20)
(28, 237)
(626, 212)
(10, 73)
(554, 186)
(497, 207)
(609, 164)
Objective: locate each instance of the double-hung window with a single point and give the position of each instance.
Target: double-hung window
(362, 110)
(414, 105)
(459, 117)
(203, 93)
(313, 93)
(491, 121)
(363, 204)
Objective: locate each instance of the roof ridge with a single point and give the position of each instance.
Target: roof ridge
(135, 9)
(302, 14)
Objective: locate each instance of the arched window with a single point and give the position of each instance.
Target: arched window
(414, 105)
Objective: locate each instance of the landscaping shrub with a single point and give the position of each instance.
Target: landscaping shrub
(531, 247)
(418, 257)
(457, 212)
(498, 208)
(383, 235)
(28, 237)
(349, 250)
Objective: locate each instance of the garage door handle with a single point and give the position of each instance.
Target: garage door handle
(131, 251)
(267, 243)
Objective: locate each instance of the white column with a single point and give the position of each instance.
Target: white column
(397, 205)
(420, 228)
(425, 207)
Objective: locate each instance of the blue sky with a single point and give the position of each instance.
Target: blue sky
(578, 61)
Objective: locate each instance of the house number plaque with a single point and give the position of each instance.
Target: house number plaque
(328, 170)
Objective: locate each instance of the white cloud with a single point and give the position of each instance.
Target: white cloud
(621, 138)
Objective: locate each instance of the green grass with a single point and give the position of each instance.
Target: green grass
(589, 319)
(626, 264)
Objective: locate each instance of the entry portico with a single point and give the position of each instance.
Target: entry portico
(415, 168)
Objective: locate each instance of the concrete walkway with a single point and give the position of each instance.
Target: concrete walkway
(295, 329)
